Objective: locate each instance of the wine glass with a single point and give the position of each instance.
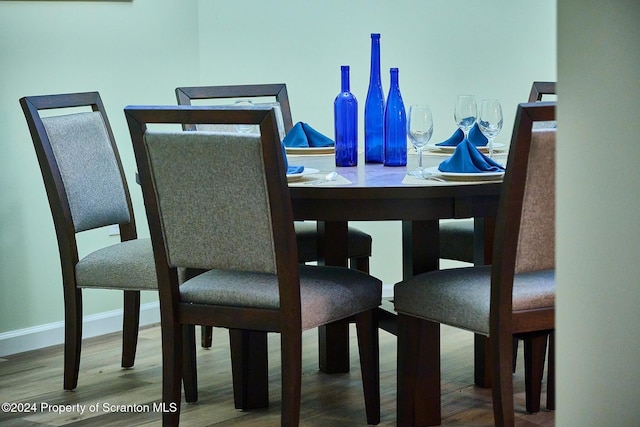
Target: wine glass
(419, 130)
(245, 104)
(465, 113)
(490, 120)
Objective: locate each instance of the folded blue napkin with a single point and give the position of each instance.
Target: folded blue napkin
(290, 169)
(468, 159)
(303, 135)
(475, 136)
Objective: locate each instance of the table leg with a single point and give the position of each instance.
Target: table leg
(484, 229)
(420, 247)
(333, 339)
(250, 371)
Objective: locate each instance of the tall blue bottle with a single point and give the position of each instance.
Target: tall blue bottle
(395, 125)
(374, 109)
(345, 115)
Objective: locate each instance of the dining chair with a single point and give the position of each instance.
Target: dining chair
(515, 296)
(458, 237)
(241, 232)
(87, 189)
(358, 244)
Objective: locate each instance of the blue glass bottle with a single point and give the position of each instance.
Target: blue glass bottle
(395, 125)
(374, 109)
(345, 115)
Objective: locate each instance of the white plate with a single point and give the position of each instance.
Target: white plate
(293, 177)
(459, 176)
(310, 150)
(452, 148)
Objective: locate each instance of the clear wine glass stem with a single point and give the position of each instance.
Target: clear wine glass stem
(490, 147)
(420, 158)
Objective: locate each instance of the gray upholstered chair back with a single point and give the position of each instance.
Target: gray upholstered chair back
(89, 169)
(228, 171)
(536, 240)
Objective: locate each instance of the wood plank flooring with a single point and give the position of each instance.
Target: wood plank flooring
(35, 378)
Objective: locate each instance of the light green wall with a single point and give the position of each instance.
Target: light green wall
(131, 52)
(138, 52)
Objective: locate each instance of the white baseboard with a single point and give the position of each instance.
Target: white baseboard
(41, 336)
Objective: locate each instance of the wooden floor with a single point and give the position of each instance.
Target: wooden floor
(35, 378)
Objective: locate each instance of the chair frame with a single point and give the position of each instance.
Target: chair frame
(66, 234)
(179, 318)
(534, 326)
(538, 89)
(185, 95)
(419, 367)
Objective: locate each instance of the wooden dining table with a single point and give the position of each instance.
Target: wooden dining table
(373, 192)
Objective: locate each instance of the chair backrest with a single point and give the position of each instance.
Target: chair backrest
(273, 92)
(80, 164)
(214, 201)
(536, 238)
(538, 89)
(525, 226)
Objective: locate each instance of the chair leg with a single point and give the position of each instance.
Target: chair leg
(172, 362)
(72, 337)
(368, 346)
(502, 381)
(291, 354)
(130, 327)
(360, 264)
(551, 372)
(206, 336)
(206, 331)
(249, 367)
(535, 348)
(189, 366)
(418, 396)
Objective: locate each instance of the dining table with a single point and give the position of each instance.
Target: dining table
(374, 192)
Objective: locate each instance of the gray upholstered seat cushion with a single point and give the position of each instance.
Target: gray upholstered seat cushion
(126, 265)
(460, 297)
(327, 293)
(359, 243)
(456, 240)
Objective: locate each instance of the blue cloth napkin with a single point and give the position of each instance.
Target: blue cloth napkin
(303, 135)
(468, 159)
(290, 169)
(475, 136)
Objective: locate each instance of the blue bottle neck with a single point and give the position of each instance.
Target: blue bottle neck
(345, 78)
(375, 59)
(395, 84)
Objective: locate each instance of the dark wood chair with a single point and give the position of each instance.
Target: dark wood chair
(275, 95)
(241, 232)
(457, 238)
(514, 297)
(87, 189)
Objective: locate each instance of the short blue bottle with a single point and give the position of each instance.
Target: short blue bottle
(345, 115)
(374, 109)
(395, 125)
